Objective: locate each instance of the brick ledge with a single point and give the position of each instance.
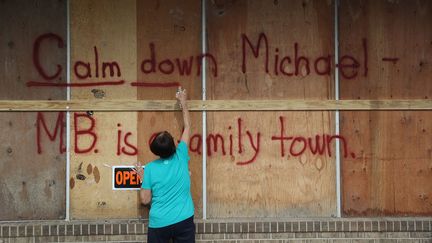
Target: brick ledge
(217, 226)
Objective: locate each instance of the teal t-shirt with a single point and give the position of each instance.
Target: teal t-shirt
(169, 182)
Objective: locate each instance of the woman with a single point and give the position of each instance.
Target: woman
(166, 186)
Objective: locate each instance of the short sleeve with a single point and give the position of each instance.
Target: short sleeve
(182, 151)
(146, 184)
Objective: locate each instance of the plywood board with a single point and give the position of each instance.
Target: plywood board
(268, 50)
(103, 34)
(391, 41)
(32, 167)
(168, 51)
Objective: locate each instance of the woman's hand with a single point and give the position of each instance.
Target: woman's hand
(139, 171)
(181, 96)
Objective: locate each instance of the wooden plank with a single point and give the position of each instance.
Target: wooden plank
(258, 175)
(215, 105)
(170, 31)
(32, 180)
(391, 41)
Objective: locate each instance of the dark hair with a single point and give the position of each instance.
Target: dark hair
(163, 145)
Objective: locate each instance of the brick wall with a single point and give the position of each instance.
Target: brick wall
(311, 230)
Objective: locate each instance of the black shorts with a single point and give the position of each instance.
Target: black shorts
(181, 232)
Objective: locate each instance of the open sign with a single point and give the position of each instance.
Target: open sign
(125, 178)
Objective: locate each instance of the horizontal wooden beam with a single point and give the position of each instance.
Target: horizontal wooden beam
(213, 105)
